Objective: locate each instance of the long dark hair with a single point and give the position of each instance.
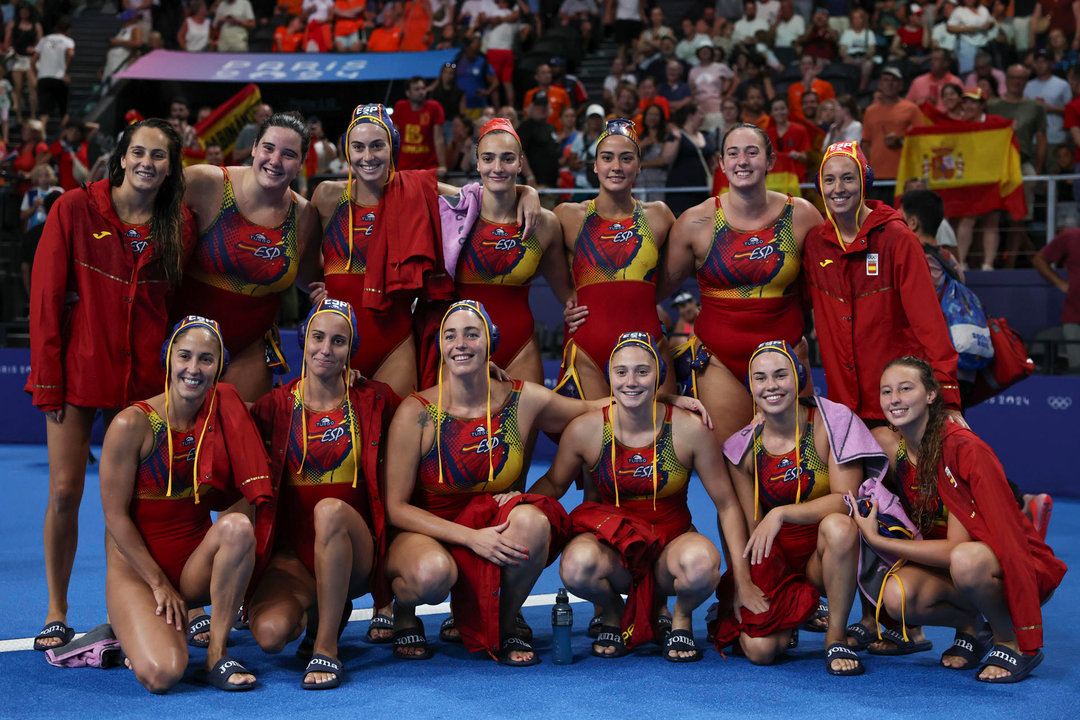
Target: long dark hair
(167, 222)
(926, 495)
(660, 132)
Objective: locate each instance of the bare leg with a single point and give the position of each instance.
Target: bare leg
(248, 372)
(965, 232)
(344, 554)
(398, 370)
(531, 528)
(421, 572)
(689, 568)
(279, 605)
(833, 568)
(977, 574)
(69, 448)
(593, 570)
(988, 223)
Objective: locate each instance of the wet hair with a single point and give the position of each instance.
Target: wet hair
(291, 120)
(927, 206)
(167, 222)
(925, 500)
(749, 126)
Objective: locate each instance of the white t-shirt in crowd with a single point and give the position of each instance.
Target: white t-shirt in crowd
(788, 31)
(1056, 92)
(52, 55)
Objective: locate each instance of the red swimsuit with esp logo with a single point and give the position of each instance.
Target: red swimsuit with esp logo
(748, 289)
(380, 332)
(497, 267)
(907, 490)
(238, 270)
(172, 524)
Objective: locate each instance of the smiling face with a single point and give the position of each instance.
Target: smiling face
(633, 376)
(617, 163)
(841, 185)
(745, 158)
(905, 401)
(498, 161)
(277, 157)
(464, 343)
(327, 346)
(193, 364)
(950, 98)
(370, 154)
(774, 383)
(146, 162)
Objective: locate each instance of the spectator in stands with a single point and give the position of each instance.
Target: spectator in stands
(180, 111)
(71, 153)
(475, 77)
(845, 126)
(690, 159)
(885, 124)
(657, 67)
(349, 25)
(214, 155)
(673, 89)
(446, 92)
(245, 139)
(657, 29)
(912, 39)
(819, 40)
(811, 106)
(649, 96)
(557, 97)
(21, 36)
(567, 135)
(858, 45)
(1065, 57)
(688, 308)
(388, 35)
(786, 30)
(33, 236)
(654, 169)
(627, 18)
(926, 88)
(540, 146)
(322, 151)
(750, 68)
(123, 46)
(710, 81)
(290, 37)
(583, 14)
(52, 60)
(973, 110)
(195, 32)
(1022, 12)
(419, 121)
(685, 48)
(1064, 251)
(33, 212)
(32, 152)
(951, 96)
(944, 236)
(750, 23)
(617, 76)
(233, 21)
(498, 24)
(729, 110)
(809, 68)
(984, 68)
(787, 137)
(574, 88)
(972, 25)
(583, 148)
(6, 92)
(1052, 93)
(1029, 121)
(1056, 14)
(753, 106)
(1072, 115)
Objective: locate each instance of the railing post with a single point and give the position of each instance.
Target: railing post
(1051, 209)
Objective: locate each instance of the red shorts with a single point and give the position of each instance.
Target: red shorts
(502, 61)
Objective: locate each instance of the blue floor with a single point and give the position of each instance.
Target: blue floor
(455, 684)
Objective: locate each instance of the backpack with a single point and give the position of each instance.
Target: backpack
(965, 317)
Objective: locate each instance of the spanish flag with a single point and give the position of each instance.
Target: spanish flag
(783, 178)
(224, 124)
(973, 166)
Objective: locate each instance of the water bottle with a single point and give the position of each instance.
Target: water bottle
(562, 620)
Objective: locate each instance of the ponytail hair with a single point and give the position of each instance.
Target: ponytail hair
(926, 495)
(167, 222)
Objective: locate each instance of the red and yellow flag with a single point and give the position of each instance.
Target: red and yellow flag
(783, 178)
(973, 166)
(224, 124)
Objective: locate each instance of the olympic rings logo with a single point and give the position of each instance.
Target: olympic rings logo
(1057, 402)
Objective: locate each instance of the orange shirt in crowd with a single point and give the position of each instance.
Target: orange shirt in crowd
(880, 120)
(348, 26)
(417, 24)
(558, 100)
(823, 89)
(385, 39)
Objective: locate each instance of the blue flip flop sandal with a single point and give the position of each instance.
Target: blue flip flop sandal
(1018, 664)
(53, 630)
(323, 664)
(219, 675)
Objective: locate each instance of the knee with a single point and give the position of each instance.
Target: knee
(65, 492)
(698, 567)
(530, 524)
(579, 566)
(971, 563)
(330, 517)
(432, 574)
(760, 651)
(838, 533)
(237, 532)
(159, 675)
(896, 599)
(271, 631)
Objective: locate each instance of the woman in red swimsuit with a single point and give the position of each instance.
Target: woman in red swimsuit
(325, 439)
(252, 231)
(614, 244)
(162, 550)
(113, 250)
(748, 277)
